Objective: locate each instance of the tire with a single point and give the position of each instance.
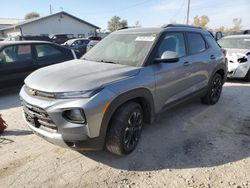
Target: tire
(125, 129)
(214, 90)
(247, 77)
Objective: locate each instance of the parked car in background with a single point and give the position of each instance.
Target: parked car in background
(19, 59)
(238, 57)
(61, 38)
(123, 82)
(246, 31)
(37, 37)
(95, 38)
(91, 44)
(79, 44)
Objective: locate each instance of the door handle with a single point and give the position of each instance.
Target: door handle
(186, 63)
(212, 57)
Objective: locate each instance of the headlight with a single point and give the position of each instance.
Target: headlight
(76, 94)
(75, 116)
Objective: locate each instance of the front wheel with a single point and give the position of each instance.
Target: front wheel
(125, 129)
(214, 90)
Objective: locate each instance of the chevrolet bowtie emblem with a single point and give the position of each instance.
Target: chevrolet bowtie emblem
(32, 92)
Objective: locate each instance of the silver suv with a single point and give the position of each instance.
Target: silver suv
(105, 97)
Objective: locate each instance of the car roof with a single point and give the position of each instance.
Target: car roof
(4, 43)
(94, 41)
(156, 30)
(237, 36)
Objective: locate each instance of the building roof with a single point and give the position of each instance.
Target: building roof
(10, 21)
(45, 17)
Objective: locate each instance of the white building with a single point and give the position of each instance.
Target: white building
(58, 23)
(7, 22)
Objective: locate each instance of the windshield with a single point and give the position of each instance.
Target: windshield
(239, 43)
(126, 49)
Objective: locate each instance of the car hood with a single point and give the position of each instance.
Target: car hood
(78, 75)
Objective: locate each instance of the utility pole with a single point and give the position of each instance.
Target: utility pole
(50, 9)
(188, 11)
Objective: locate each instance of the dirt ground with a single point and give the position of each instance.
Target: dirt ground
(192, 145)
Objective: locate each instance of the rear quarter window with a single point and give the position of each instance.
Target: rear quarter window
(212, 42)
(196, 43)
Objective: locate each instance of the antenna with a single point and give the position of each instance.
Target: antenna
(50, 9)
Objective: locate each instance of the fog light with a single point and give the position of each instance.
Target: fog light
(74, 116)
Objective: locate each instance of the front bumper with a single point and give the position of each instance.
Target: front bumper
(238, 70)
(53, 138)
(62, 132)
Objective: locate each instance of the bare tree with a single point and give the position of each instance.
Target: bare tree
(237, 24)
(137, 24)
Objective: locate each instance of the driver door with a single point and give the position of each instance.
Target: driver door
(172, 79)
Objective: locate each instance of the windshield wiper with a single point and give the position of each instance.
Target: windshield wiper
(106, 61)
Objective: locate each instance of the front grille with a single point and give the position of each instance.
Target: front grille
(37, 93)
(38, 117)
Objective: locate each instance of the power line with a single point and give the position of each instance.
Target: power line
(178, 11)
(120, 9)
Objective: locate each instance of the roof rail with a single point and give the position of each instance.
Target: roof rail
(121, 28)
(181, 25)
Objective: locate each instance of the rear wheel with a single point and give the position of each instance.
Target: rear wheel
(125, 129)
(214, 90)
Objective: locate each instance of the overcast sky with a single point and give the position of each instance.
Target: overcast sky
(147, 12)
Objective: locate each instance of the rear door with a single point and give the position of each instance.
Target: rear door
(16, 62)
(198, 60)
(48, 54)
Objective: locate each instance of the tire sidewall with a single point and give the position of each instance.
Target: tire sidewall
(215, 100)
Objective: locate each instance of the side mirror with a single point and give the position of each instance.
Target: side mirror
(218, 35)
(168, 57)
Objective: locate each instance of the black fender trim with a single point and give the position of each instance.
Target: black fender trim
(218, 68)
(99, 142)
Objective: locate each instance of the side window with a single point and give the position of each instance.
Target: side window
(196, 43)
(172, 42)
(212, 42)
(17, 53)
(80, 42)
(46, 50)
(81, 35)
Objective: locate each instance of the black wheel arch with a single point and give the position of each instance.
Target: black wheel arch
(221, 69)
(141, 95)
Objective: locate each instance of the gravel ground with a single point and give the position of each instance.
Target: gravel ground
(192, 145)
